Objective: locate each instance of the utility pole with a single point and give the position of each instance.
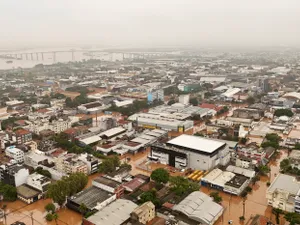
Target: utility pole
(244, 200)
(31, 218)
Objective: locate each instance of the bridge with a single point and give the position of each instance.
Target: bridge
(40, 56)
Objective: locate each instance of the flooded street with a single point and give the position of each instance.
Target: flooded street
(255, 203)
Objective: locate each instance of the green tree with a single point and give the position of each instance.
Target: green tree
(293, 218)
(284, 165)
(243, 141)
(250, 100)
(181, 185)
(55, 217)
(283, 112)
(194, 101)
(43, 172)
(263, 170)
(69, 102)
(171, 102)
(150, 196)
(49, 217)
(50, 207)
(160, 175)
(255, 179)
(215, 195)
(277, 213)
(297, 146)
(9, 192)
(109, 164)
(83, 208)
(248, 189)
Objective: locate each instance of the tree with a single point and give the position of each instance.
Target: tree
(83, 208)
(150, 196)
(255, 179)
(277, 213)
(55, 217)
(248, 189)
(273, 137)
(69, 102)
(194, 101)
(67, 186)
(49, 217)
(242, 218)
(43, 172)
(297, 146)
(283, 112)
(9, 192)
(293, 218)
(171, 102)
(250, 100)
(181, 185)
(285, 165)
(215, 195)
(160, 175)
(50, 207)
(243, 141)
(109, 164)
(263, 170)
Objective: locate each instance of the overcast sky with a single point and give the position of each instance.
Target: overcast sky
(149, 23)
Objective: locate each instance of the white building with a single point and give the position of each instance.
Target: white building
(57, 126)
(38, 182)
(184, 99)
(15, 153)
(282, 192)
(188, 151)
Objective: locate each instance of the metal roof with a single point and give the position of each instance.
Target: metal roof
(196, 143)
(199, 207)
(286, 183)
(115, 213)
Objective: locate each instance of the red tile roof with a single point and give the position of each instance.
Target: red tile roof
(210, 106)
(134, 184)
(22, 132)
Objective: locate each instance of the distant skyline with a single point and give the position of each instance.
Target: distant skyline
(155, 23)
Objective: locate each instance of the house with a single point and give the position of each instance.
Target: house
(15, 154)
(22, 136)
(13, 174)
(38, 182)
(144, 213)
(28, 194)
(282, 192)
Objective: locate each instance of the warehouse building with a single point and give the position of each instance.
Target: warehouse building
(188, 151)
(157, 121)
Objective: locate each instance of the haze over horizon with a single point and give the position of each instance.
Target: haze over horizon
(155, 23)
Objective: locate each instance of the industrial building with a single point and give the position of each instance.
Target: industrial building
(187, 151)
(200, 208)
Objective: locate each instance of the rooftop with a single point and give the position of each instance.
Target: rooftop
(107, 181)
(90, 197)
(196, 143)
(199, 207)
(286, 183)
(27, 192)
(115, 213)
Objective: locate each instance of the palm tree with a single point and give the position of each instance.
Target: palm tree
(277, 213)
(55, 217)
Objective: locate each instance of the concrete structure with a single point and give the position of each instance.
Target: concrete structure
(153, 95)
(200, 208)
(22, 136)
(282, 192)
(184, 99)
(109, 185)
(116, 213)
(13, 174)
(187, 151)
(144, 213)
(38, 182)
(247, 113)
(70, 163)
(28, 194)
(57, 125)
(15, 154)
(91, 162)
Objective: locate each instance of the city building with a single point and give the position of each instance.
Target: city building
(70, 163)
(117, 213)
(144, 213)
(110, 185)
(38, 182)
(28, 194)
(247, 113)
(14, 153)
(187, 151)
(155, 95)
(91, 162)
(22, 136)
(282, 192)
(92, 107)
(200, 208)
(94, 198)
(13, 174)
(184, 99)
(263, 84)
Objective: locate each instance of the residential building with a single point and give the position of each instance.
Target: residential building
(117, 213)
(22, 136)
(38, 182)
(187, 151)
(282, 192)
(15, 154)
(247, 113)
(155, 95)
(70, 163)
(28, 194)
(57, 126)
(91, 162)
(184, 99)
(13, 174)
(144, 213)
(110, 185)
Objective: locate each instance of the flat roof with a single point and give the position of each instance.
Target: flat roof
(90, 197)
(107, 181)
(286, 183)
(241, 171)
(26, 191)
(196, 143)
(115, 213)
(113, 131)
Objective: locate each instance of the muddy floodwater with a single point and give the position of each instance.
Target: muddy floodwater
(256, 202)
